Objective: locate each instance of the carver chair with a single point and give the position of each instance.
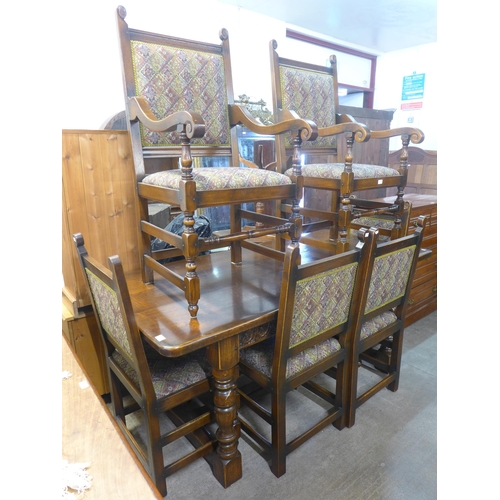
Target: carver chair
(312, 92)
(317, 307)
(144, 384)
(378, 334)
(180, 106)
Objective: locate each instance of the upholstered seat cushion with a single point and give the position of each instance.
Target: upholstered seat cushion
(169, 375)
(219, 178)
(260, 356)
(373, 222)
(334, 171)
(376, 324)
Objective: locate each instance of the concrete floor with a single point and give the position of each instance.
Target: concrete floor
(389, 454)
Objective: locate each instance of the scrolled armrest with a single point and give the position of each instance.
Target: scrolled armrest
(347, 124)
(139, 110)
(415, 134)
(239, 115)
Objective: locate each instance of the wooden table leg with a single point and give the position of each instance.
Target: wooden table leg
(224, 357)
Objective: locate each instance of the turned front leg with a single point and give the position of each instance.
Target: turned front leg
(224, 357)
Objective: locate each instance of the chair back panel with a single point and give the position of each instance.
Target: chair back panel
(173, 78)
(322, 302)
(389, 280)
(114, 313)
(108, 310)
(311, 94)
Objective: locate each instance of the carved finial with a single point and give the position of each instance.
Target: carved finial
(333, 59)
(362, 233)
(223, 34)
(122, 12)
(274, 44)
(78, 239)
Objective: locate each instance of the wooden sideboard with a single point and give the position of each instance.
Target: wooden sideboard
(423, 296)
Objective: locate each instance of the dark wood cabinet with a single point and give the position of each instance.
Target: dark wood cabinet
(423, 295)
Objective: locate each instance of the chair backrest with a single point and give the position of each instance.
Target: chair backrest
(318, 299)
(113, 310)
(309, 90)
(389, 279)
(173, 74)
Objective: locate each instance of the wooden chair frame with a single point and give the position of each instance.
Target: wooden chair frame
(278, 384)
(143, 395)
(190, 125)
(386, 360)
(343, 209)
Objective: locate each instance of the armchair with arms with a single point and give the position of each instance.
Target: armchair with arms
(180, 105)
(312, 92)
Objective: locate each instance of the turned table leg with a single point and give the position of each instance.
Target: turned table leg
(224, 357)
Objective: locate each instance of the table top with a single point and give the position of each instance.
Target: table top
(234, 298)
(89, 435)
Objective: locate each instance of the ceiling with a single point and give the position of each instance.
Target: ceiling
(378, 25)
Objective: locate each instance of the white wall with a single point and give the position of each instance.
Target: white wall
(91, 90)
(391, 68)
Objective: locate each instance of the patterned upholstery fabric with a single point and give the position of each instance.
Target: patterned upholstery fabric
(334, 171)
(311, 96)
(389, 278)
(106, 302)
(169, 375)
(261, 355)
(373, 222)
(322, 302)
(376, 324)
(174, 79)
(219, 178)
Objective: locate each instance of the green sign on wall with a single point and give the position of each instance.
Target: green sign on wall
(413, 87)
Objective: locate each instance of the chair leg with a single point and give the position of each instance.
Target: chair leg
(352, 388)
(191, 279)
(117, 397)
(235, 227)
(395, 364)
(341, 394)
(144, 241)
(278, 450)
(155, 451)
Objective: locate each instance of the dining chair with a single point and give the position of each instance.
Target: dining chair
(377, 342)
(180, 107)
(312, 92)
(386, 224)
(145, 386)
(317, 307)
